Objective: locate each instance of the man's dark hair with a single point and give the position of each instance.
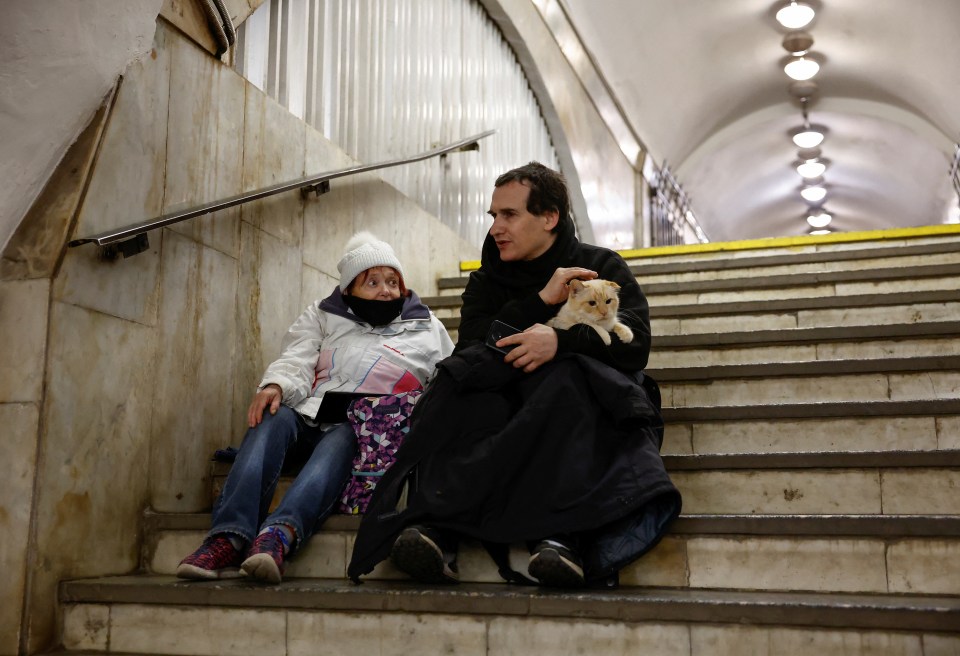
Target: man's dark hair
(548, 189)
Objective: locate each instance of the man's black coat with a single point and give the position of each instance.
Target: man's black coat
(507, 457)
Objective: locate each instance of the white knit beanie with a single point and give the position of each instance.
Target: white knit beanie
(363, 251)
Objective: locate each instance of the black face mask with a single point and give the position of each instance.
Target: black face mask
(375, 313)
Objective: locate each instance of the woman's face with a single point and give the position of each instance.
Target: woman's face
(377, 284)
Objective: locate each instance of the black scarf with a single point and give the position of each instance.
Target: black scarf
(375, 313)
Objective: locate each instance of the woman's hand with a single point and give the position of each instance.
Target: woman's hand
(270, 396)
(556, 289)
(534, 347)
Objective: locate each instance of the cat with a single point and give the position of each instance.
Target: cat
(593, 303)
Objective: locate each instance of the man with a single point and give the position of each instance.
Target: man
(556, 443)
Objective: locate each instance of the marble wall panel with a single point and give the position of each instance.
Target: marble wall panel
(198, 631)
(926, 385)
(23, 324)
(93, 462)
(948, 432)
(315, 285)
(677, 439)
(664, 566)
(921, 491)
(736, 323)
(375, 209)
(846, 565)
(385, 635)
(920, 567)
(86, 627)
(18, 448)
(510, 635)
(273, 153)
(268, 301)
(325, 555)
(866, 387)
(126, 187)
(205, 144)
(780, 492)
(898, 286)
(816, 435)
(328, 219)
(194, 372)
(774, 641)
(940, 645)
(880, 316)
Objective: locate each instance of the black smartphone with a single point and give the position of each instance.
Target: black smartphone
(499, 330)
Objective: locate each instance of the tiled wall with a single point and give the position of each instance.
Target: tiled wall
(120, 379)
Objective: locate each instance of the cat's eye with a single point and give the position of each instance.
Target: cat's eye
(592, 303)
(608, 301)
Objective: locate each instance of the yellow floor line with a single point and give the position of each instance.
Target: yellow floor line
(786, 243)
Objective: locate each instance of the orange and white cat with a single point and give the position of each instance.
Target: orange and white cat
(593, 303)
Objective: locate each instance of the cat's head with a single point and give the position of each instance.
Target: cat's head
(596, 298)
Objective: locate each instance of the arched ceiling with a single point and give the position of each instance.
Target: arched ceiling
(702, 83)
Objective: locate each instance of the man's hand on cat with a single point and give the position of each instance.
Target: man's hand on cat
(535, 346)
(556, 290)
(269, 397)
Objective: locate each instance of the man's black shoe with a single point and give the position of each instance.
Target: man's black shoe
(417, 552)
(556, 565)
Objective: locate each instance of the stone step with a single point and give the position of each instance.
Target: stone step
(851, 267)
(814, 434)
(826, 409)
(785, 314)
(786, 276)
(158, 614)
(918, 329)
(696, 259)
(771, 362)
(874, 387)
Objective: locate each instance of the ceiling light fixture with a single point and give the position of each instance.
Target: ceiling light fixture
(813, 194)
(819, 220)
(795, 15)
(808, 137)
(801, 68)
(812, 168)
(825, 231)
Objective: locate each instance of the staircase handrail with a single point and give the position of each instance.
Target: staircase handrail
(306, 184)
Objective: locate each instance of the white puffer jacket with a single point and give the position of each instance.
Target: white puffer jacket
(328, 348)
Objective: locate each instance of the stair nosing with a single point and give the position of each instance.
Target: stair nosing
(831, 409)
(945, 459)
(805, 368)
(889, 612)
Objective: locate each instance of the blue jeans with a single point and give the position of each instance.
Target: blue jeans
(242, 506)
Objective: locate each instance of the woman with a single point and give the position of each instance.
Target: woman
(371, 335)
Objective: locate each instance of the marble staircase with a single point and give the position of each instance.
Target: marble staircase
(812, 397)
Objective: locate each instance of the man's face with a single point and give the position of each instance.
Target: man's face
(520, 235)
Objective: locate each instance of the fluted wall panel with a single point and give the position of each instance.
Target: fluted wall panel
(390, 78)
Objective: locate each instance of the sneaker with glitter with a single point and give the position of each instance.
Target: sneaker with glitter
(216, 558)
(265, 559)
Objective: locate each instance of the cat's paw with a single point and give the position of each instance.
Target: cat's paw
(604, 335)
(624, 333)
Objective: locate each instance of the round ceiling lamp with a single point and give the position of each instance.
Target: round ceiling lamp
(811, 168)
(801, 68)
(824, 231)
(795, 15)
(819, 220)
(808, 137)
(813, 194)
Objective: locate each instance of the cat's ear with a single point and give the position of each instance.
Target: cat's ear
(610, 283)
(575, 286)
